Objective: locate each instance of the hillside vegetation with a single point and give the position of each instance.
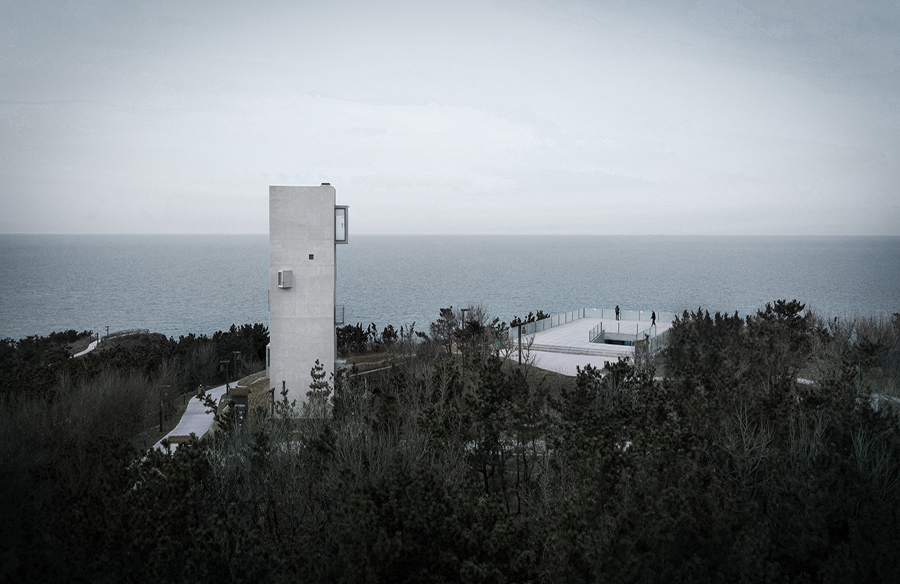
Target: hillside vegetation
(756, 449)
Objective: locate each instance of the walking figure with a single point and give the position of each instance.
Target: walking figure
(653, 318)
(617, 312)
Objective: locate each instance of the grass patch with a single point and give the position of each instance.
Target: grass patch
(369, 358)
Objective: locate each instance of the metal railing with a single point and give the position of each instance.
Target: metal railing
(595, 332)
(536, 326)
(616, 329)
(638, 315)
(659, 342)
(127, 332)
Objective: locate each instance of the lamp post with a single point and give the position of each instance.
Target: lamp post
(237, 357)
(223, 367)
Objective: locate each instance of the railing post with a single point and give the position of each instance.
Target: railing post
(520, 344)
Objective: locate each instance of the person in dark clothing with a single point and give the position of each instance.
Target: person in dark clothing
(617, 312)
(653, 318)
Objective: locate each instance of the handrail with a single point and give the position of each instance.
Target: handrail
(127, 332)
(638, 315)
(536, 326)
(659, 342)
(599, 330)
(595, 332)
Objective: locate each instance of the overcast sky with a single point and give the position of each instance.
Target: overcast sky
(564, 116)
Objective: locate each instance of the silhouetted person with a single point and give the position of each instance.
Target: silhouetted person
(617, 312)
(653, 318)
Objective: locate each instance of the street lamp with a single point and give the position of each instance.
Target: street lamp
(223, 367)
(237, 357)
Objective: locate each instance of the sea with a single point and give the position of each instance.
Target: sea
(181, 284)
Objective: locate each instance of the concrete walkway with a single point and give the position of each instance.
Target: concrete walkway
(195, 419)
(90, 348)
(566, 364)
(563, 348)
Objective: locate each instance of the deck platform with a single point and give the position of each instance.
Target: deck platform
(567, 346)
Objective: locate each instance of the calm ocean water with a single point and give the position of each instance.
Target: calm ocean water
(181, 284)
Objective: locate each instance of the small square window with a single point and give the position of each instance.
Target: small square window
(312, 256)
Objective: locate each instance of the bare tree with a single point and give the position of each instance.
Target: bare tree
(747, 442)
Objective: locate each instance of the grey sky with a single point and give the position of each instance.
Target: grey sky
(565, 116)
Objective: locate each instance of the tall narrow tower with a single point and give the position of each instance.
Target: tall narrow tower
(303, 230)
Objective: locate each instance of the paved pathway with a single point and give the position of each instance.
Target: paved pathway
(90, 348)
(195, 419)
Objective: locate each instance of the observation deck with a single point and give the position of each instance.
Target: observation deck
(589, 336)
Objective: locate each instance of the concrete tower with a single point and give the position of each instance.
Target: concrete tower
(304, 226)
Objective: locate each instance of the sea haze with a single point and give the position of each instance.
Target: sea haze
(182, 284)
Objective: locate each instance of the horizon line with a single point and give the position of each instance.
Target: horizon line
(505, 234)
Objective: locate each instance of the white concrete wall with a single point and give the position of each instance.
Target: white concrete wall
(301, 318)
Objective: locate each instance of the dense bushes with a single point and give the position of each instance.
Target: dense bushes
(710, 462)
(34, 365)
(354, 340)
